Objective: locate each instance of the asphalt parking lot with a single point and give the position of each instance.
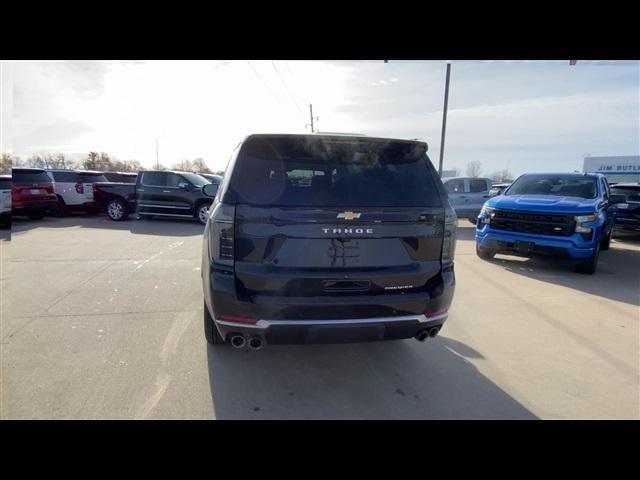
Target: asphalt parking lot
(103, 320)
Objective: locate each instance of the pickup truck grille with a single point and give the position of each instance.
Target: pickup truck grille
(536, 223)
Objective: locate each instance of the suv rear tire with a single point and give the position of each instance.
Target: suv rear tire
(484, 253)
(36, 215)
(210, 331)
(117, 210)
(588, 267)
(60, 208)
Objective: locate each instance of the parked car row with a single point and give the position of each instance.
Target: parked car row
(36, 192)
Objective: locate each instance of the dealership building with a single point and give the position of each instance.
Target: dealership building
(617, 169)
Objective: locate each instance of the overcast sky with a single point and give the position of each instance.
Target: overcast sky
(529, 116)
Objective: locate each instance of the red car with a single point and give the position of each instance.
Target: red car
(31, 193)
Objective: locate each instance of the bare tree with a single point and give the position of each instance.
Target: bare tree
(502, 176)
(6, 162)
(474, 168)
(199, 166)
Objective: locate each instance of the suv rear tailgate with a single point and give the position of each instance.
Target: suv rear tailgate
(310, 252)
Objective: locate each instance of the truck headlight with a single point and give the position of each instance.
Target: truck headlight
(580, 219)
(485, 214)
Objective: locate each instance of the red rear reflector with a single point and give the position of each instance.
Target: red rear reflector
(436, 313)
(229, 318)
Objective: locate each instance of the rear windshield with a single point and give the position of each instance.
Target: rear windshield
(557, 185)
(93, 177)
(30, 176)
(292, 171)
(5, 184)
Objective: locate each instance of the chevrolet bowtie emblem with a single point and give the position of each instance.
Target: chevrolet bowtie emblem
(349, 215)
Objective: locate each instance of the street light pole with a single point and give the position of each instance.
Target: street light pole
(444, 118)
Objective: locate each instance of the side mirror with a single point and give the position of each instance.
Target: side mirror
(210, 190)
(615, 198)
(183, 186)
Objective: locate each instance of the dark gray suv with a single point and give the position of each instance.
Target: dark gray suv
(327, 239)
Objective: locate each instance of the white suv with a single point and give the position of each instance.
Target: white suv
(5, 199)
(74, 189)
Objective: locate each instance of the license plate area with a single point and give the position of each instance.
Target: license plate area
(524, 247)
(345, 333)
(35, 191)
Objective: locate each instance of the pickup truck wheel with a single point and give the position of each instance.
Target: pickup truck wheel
(117, 210)
(605, 243)
(203, 213)
(210, 331)
(588, 267)
(484, 254)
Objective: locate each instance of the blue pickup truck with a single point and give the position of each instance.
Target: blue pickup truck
(566, 215)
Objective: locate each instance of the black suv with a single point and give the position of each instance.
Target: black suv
(327, 239)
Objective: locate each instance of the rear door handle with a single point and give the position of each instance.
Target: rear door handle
(166, 191)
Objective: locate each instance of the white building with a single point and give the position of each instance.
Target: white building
(616, 169)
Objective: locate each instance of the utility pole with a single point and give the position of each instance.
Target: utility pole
(157, 161)
(312, 117)
(444, 117)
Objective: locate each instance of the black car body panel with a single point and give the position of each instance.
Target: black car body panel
(628, 214)
(156, 192)
(295, 263)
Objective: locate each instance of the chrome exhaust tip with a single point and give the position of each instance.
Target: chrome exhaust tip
(422, 335)
(256, 343)
(238, 341)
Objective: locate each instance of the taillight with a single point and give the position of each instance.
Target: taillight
(221, 236)
(79, 187)
(229, 318)
(436, 313)
(449, 240)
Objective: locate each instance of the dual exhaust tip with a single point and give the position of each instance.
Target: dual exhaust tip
(425, 333)
(240, 341)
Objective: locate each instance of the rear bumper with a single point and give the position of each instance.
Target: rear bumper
(572, 247)
(326, 318)
(333, 331)
(24, 208)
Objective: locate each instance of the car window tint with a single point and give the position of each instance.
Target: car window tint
(318, 172)
(477, 185)
(154, 179)
(93, 177)
(5, 184)
(454, 186)
(65, 177)
(174, 180)
(30, 176)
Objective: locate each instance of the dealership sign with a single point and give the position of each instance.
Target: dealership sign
(612, 165)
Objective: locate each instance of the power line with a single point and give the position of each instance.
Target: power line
(263, 82)
(287, 89)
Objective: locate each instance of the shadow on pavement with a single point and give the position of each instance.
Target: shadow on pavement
(145, 226)
(379, 380)
(5, 233)
(617, 277)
